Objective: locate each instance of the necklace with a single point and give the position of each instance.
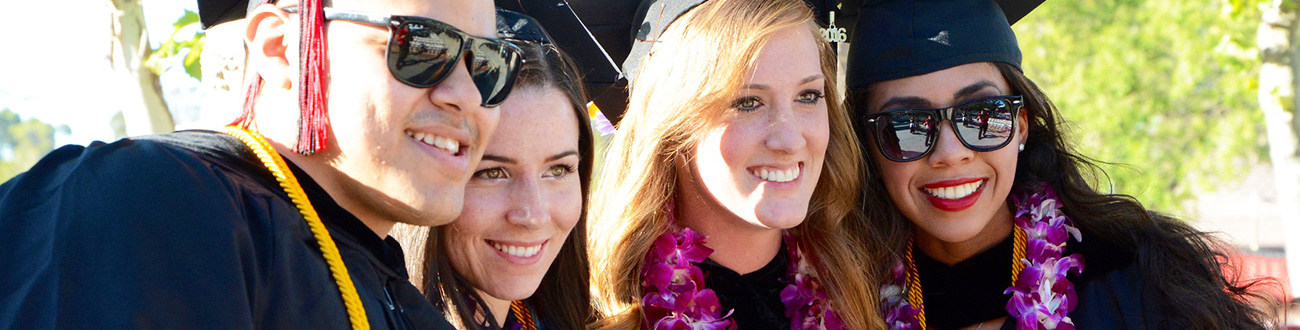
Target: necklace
(677, 299)
(1042, 296)
(278, 168)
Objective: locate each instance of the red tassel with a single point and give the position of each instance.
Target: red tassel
(251, 92)
(250, 96)
(314, 121)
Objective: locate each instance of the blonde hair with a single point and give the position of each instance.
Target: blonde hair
(682, 89)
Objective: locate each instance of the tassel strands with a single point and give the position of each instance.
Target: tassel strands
(250, 97)
(251, 93)
(314, 119)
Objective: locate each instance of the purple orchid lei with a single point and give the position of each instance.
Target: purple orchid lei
(675, 294)
(805, 303)
(676, 298)
(1042, 297)
(898, 313)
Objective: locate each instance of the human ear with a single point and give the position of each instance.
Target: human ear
(1022, 118)
(267, 48)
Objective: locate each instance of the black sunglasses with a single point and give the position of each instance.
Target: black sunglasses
(905, 135)
(423, 51)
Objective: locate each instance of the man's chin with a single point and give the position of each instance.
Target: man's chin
(437, 214)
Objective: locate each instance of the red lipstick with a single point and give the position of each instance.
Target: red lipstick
(953, 205)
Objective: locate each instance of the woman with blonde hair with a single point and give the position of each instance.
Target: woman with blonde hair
(726, 199)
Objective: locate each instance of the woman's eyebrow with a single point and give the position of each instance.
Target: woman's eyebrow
(499, 159)
(559, 155)
(973, 88)
(906, 102)
(801, 82)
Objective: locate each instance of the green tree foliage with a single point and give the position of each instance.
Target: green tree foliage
(23, 142)
(1163, 90)
(187, 48)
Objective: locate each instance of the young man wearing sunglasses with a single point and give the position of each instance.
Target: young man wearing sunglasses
(281, 221)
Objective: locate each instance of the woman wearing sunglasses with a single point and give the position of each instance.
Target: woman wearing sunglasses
(991, 213)
(726, 198)
(516, 257)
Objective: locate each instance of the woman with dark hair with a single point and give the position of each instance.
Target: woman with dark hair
(516, 257)
(974, 190)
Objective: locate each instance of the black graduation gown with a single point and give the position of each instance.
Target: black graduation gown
(184, 230)
(754, 298)
(1110, 290)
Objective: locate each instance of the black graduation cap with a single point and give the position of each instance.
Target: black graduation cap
(594, 33)
(600, 35)
(213, 12)
(653, 16)
(901, 38)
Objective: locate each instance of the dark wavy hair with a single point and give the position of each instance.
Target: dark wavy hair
(562, 301)
(1193, 291)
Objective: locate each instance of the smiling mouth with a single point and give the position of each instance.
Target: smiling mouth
(440, 142)
(517, 251)
(955, 192)
(777, 175)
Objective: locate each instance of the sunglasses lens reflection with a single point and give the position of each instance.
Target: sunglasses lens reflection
(907, 135)
(492, 66)
(984, 125)
(421, 55)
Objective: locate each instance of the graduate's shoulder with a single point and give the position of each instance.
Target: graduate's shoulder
(169, 159)
(189, 174)
(127, 225)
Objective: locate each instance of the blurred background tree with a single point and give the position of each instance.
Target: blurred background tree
(134, 65)
(1190, 107)
(1163, 91)
(148, 112)
(23, 142)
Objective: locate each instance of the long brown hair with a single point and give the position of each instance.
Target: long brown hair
(680, 91)
(562, 300)
(1184, 265)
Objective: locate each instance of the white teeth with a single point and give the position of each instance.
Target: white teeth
(955, 192)
(439, 142)
(518, 251)
(777, 175)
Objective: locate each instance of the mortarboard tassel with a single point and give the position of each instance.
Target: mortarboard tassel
(314, 119)
(250, 95)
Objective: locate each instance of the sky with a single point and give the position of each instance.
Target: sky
(62, 74)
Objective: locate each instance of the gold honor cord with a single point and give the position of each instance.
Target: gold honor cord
(274, 163)
(914, 279)
(522, 314)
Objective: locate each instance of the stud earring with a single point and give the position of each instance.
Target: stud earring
(1022, 147)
